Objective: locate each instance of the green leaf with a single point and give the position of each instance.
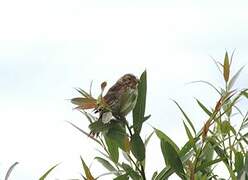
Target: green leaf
(165, 173)
(11, 168)
(226, 68)
(87, 170)
(112, 149)
(225, 127)
(209, 84)
(85, 133)
(129, 170)
(239, 161)
(246, 163)
(154, 175)
(221, 153)
(90, 117)
(227, 107)
(148, 138)
(187, 146)
(106, 164)
(234, 78)
(122, 177)
(244, 93)
(190, 137)
(204, 108)
(207, 153)
(118, 135)
(98, 126)
(137, 147)
(163, 136)
(139, 109)
(186, 117)
(172, 158)
(207, 164)
(47, 172)
(185, 154)
(146, 118)
(83, 93)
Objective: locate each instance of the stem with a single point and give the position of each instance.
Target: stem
(143, 172)
(230, 146)
(127, 125)
(137, 167)
(141, 169)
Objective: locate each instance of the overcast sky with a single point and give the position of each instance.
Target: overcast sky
(49, 47)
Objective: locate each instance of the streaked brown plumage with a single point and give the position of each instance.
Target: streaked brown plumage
(121, 97)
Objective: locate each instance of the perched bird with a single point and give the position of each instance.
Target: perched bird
(120, 98)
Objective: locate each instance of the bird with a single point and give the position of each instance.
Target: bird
(121, 98)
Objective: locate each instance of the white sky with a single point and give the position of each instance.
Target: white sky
(49, 47)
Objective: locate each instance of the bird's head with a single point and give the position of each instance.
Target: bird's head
(129, 80)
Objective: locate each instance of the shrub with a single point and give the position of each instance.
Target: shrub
(219, 142)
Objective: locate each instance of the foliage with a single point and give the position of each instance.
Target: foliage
(219, 142)
(11, 168)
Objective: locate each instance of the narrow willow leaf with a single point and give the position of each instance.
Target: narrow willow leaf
(122, 177)
(225, 127)
(239, 161)
(98, 126)
(186, 117)
(119, 137)
(137, 147)
(168, 171)
(90, 117)
(172, 158)
(245, 94)
(146, 118)
(148, 138)
(227, 107)
(87, 170)
(43, 177)
(216, 64)
(85, 133)
(190, 137)
(185, 155)
(231, 59)
(83, 93)
(79, 100)
(226, 68)
(163, 136)
(165, 173)
(187, 146)
(132, 173)
(154, 175)
(139, 109)
(207, 154)
(221, 153)
(234, 78)
(207, 164)
(204, 108)
(115, 173)
(84, 103)
(246, 163)
(112, 149)
(106, 164)
(11, 168)
(208, 83)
